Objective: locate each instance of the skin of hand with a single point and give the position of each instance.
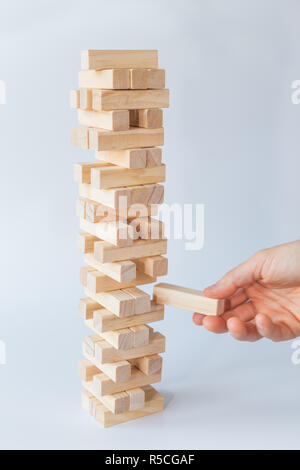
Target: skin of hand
(263, 297)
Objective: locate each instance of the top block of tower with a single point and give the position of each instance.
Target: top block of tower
(110, 59)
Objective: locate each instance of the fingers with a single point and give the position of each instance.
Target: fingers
(215, 324)
(240, 277)
(270, 330)
(242, 331)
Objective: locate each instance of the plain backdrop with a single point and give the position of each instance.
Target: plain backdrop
(232, 143)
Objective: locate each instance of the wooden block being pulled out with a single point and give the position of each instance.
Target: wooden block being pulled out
(188, 299)
(154, 403)
(119, 59)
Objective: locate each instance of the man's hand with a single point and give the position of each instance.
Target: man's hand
(264, 297)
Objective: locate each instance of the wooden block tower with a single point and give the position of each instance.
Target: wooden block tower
(119, 103)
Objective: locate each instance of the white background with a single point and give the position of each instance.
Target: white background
(232, 143)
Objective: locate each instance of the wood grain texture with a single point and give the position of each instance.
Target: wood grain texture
(105, 353)
(107, 177)
(103, 385)
(153, 265)
(154, 403)
(120, 271)
(108, 100)
(118, 371)
(111, 120)
(188, 299)
(102, 320)
(116, 233)
(147, 118)
(106, 252)
(118, 59)
(108, 79)
(142, 79)
(97, 282)
(135, 137)
(132, 158)
(118, 198)
(122, 303)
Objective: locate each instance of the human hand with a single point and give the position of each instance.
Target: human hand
(263, 294)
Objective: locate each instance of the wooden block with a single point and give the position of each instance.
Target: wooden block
(117, 233)
(147, 194)
(153, 157)
(105, 353)
(113, 176)
(113, 198)
(119, 371)
(94, 212)
(120, 271)
(120, 339)
(136, 398)
(132, 158)
(87, 307)
(82, 171)
(109, 79)
(133, 138)
(97, 282)
(86, 242)
(87, 370)
(117, 302)
(86, 99)
(148, 364)
(103, 385)
(118, 59)
(74, 99)
(141, 335)
(102, 320)
(188, 299)
(80, 137)
(154, 403)
(142, 301)
(120, 198)
(112, 120)
(117, 403)
(147, 228)
(107, 253)
(147, 118)
(128, 158)
(83, 274)
(147, 78)
(153, 265)
(108, 100)
(80, 208)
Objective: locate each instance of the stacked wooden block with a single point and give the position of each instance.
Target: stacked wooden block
(119, 106)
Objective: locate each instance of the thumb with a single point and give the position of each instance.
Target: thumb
(240, 277)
